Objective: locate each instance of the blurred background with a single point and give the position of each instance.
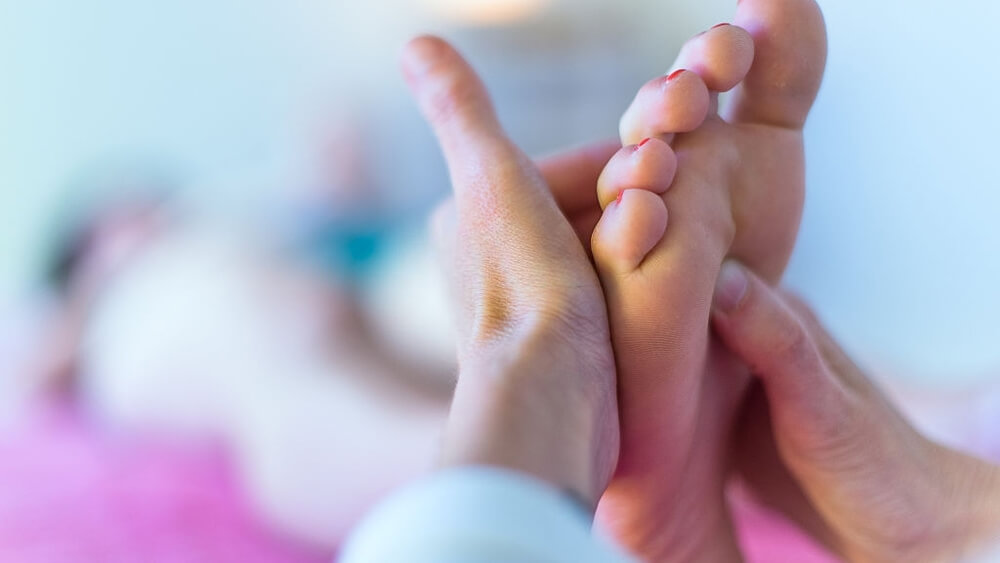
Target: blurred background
(212, 226)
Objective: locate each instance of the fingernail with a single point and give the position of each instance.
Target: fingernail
(730, 287)
(618, 200)
(719, 25)
(675, 74)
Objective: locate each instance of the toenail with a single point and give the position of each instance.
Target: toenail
(730, 287)
(673, 75)
(719, 25)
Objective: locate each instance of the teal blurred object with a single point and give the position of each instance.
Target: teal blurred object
(348, 247)
(345, 242)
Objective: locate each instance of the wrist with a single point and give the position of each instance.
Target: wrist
(978, 488)
(962, 517)
(527, 411)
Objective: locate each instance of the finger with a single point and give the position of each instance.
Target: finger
(841, 365)
(454, 101)
(572, 175)
(449, 93)
(754, 322)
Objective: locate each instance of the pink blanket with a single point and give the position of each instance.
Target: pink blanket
(69, 493)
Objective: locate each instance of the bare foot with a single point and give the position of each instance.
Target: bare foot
(734, 184)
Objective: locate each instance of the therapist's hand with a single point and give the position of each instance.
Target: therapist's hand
(886, 492)
(536, 389)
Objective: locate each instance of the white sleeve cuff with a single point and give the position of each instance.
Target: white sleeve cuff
(478, 515)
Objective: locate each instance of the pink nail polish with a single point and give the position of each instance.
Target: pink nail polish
(673, 75)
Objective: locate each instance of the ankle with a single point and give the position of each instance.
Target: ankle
(977, 512)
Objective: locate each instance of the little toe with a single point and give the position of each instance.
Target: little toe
(629, 229)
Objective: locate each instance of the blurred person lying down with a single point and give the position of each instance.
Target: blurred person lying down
(170, 323)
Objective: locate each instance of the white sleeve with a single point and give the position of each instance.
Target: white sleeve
(478, 515)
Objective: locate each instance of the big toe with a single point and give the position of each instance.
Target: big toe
(790, 56)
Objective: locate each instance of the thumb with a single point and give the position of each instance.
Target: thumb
(755, 323)
(498, 190)
(456, 104)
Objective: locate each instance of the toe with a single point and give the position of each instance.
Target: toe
(649, 165)
(629, 229)
(676, 103)
(790, 55)
(722, 56)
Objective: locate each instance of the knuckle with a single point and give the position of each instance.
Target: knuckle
(798, 305)
(449, 97)
(495, 318)
(506, 308)
(793, 346)
(829, 425)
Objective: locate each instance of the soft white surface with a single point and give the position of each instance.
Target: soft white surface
(900, 241)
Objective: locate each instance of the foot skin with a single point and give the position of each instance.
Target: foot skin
(733, 183)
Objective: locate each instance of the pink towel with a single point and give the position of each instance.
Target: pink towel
(767, 537)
